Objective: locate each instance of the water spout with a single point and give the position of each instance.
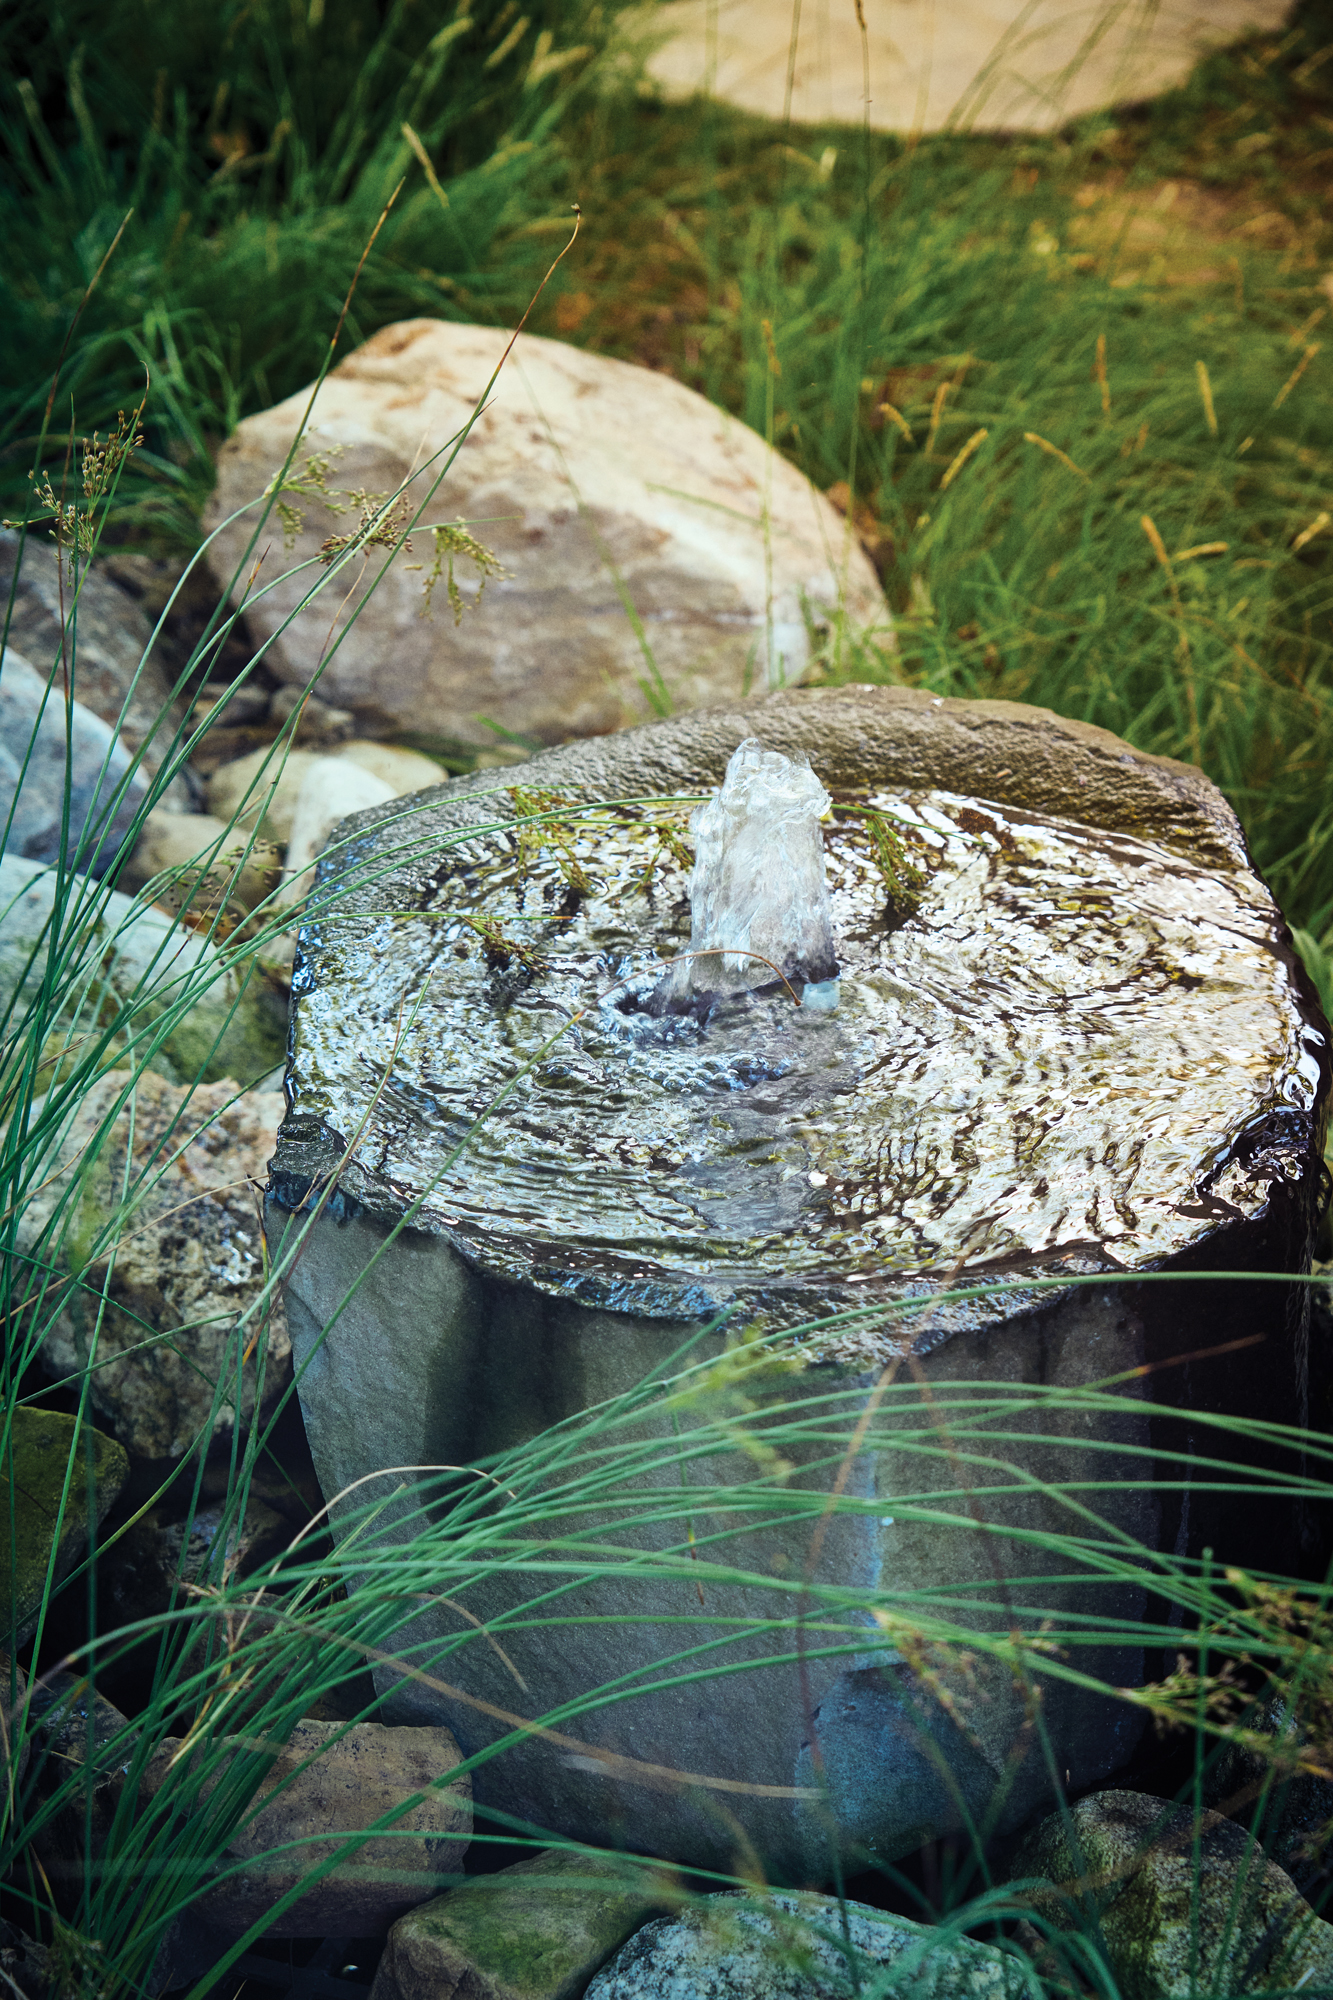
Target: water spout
(759, 901)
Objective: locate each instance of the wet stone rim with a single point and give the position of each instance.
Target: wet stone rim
(1060, 1048)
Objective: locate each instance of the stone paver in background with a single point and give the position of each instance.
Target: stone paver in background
(994, 64)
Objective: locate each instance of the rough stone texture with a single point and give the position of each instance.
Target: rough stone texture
(536, 1931)
(1278, 1795)
(233, 865)
(593, 477)
(136, 958)
(141, 1574)
(355, 1776)
(1245, 1929)
(25, 1964)
(97, 825)
(32, 1478)
(730, 1949)
(85, 1746)
(111, 676)
(461, 1351)
(996, 64)
(187, 1264)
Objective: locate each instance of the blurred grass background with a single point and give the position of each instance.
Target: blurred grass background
(1071, 391)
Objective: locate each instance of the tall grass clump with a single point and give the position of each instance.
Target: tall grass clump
(252, 147)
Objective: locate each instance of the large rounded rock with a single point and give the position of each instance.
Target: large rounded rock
(155, 1305)
(737, 1947)
(615, 499)
(1182, 1906)
(536, 1931)
(55, 761)
(1073, 1046)
(116, 669)
(326, 1787)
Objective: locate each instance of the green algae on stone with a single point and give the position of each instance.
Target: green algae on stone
(1181, 1907)
(32, 1479)
(536, 1931)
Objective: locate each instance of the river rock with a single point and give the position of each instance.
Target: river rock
(331, 789)
(1176, 1922)
(35, 795)
(263, 788)
(739, 1947)
(987, 65)
(1274, 1789)
(536, 1931)
(133, 963)
(599, 485)
(32, 1479)
(353, 1777)
(234, 867)
(140, 1576)
(403, 771)
(318, 724)
(131, 694)
(1072, 1043)
(186, 1264)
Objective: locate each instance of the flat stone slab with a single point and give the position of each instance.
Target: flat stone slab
(988, 64)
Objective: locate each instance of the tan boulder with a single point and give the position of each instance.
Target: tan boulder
(332, 788)
(328, 1785)
(654, 549)
(999, 65)
(402, 770)
(265, 786)
(261, 789)
(215, 861)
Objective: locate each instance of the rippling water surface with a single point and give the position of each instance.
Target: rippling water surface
(1075, 1044)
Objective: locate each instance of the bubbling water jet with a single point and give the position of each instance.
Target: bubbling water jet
(759, 901)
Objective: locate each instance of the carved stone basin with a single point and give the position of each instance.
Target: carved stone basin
(1071, 1043)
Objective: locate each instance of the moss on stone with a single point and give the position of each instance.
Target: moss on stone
(537, 1931)
(32, 1480)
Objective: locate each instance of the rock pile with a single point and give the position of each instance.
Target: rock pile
(158, 1307)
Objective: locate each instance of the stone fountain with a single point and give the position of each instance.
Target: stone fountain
(793, 1015)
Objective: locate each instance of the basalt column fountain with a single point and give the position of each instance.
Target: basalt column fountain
(793, 1015)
